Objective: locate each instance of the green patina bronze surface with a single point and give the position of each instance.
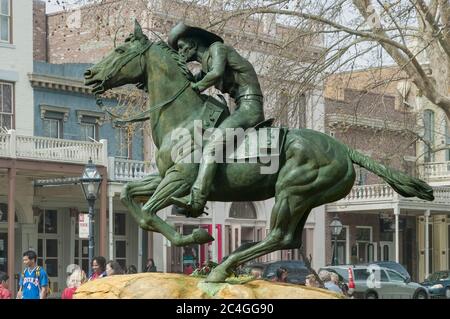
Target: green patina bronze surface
(314, 169)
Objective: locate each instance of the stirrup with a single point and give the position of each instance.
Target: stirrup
(265, 123)
(186, 207)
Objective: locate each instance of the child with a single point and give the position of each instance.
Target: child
(4, 292)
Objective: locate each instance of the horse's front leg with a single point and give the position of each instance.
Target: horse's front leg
(176, 183)
(145, 187)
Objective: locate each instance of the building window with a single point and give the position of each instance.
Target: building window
(342, 246)
(48, 243)
(52, 128)
(5, 21)
(6, 106)
(300, 108)
(89, 129)
(361, 176)
(123, 143)
(52, 120)
(428, 137)
(120, 239)
(89, 124)
(363, 244)
(283, 105)
(244, 210)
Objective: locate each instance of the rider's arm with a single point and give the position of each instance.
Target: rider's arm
(218, 54)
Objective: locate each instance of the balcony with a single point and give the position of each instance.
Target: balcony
(382, 196)
(52, 149)
(124, 170)
(435, 172)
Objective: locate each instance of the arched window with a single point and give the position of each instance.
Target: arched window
(244, 210)
(428, 123)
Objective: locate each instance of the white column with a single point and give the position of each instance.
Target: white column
(104, 155)
(166, 243)
(427, 244)
(214, 234)
(397, 241)
(111, 223)
(139, 267)
(12, 143)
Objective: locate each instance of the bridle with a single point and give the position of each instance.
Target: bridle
(143, 115)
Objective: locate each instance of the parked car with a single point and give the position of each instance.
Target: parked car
(438, 284)
(296, 269)
(376, 282)
(392, 265)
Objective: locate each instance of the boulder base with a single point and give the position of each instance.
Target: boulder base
(179, 286)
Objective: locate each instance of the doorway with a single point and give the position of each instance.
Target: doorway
(49, 246)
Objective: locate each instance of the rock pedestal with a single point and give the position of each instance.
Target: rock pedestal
(179, 286)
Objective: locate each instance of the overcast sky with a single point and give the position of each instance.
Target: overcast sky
(52, 6)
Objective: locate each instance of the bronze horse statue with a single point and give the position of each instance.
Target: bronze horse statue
(314, 168)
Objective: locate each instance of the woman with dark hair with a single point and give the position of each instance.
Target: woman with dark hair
(113, 268)
(98, 268)
(151, 267)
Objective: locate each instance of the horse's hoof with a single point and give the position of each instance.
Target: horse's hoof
(217, 276)
(201, 236)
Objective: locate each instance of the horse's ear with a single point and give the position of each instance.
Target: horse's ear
(138, 34)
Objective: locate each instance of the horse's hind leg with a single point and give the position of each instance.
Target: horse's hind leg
(145, 187)
(277, 239)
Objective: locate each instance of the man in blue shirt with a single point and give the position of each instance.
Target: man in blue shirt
(34, 280)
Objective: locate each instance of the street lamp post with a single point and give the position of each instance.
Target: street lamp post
(90, 183)
(336, 228)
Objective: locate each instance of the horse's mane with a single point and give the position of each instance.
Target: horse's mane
(178, 59)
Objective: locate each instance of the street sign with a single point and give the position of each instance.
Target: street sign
(83, 225)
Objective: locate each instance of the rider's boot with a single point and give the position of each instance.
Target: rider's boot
(196, 201)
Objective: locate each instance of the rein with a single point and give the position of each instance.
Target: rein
(143, 116)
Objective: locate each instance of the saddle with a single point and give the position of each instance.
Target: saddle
(261, 141)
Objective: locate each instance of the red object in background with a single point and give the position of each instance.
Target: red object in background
(351, 281)
(205, 248)
(188, 269)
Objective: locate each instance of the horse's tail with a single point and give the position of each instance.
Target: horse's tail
(403, 184)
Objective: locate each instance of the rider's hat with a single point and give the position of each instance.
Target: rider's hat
(182, 30)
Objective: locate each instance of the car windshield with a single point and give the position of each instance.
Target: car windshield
(395, 266)
(361, 274)
(439, 276)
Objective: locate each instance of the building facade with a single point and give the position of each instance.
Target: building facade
(384, 119)
(16, 62)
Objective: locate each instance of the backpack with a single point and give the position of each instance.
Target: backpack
(37, 274)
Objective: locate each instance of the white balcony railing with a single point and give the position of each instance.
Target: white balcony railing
(129, 170)
(370, 192)
(435, 170)
(383, 192)
(5, 145)
(52, 149)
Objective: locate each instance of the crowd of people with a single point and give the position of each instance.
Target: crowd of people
(34, 282)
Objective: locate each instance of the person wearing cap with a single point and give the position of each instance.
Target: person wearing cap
(225, 69)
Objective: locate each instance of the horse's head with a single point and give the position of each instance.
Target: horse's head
(122, 66)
